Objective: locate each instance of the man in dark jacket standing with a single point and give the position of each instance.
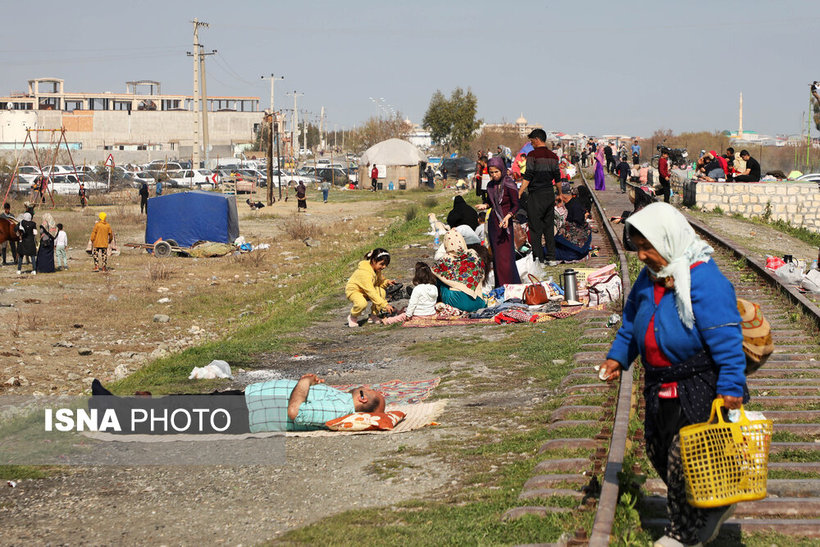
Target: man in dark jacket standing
(144, 198)
(610, 160)
(541, 174)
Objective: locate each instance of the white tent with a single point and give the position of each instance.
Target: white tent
(393, 152)
(398, 162)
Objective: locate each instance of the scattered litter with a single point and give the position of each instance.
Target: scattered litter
(112, 298)
(213, 370)
(614, 319)
(239, 241)
(263, 374)
(13, 484)
(303, 357)
(163, 289)
(261, 247)
(164, 300)
(160, 318)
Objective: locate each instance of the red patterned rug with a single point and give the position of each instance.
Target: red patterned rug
(399, 391)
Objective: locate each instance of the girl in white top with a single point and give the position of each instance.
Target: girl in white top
(422, 299)
(425, 293)
(60, 246)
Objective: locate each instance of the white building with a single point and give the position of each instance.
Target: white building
(141, 118)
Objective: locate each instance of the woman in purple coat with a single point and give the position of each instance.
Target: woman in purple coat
(502, 197)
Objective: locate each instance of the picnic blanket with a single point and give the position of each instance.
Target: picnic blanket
(399, 392)
(447, 321)
(417, 416)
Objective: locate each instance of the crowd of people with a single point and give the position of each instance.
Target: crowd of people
(44, 245)
(727, 167)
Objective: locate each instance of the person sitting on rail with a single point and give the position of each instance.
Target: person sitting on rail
(573, 239)
(681, 317)
(274, 405)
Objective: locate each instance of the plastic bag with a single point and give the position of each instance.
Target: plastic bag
(528, 265)
(811, 281)
(789, 274)
(213, 370)
(774, 262)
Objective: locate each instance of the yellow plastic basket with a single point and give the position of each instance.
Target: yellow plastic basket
(725, 462)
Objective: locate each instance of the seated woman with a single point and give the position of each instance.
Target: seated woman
(460, 274)
(462, 214)
(574, 238)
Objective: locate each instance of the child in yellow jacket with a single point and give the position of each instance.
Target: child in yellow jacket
(368, 284)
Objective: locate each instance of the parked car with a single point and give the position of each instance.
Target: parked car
(336, 175)
(809, 177)
(253, 175)
(353, 174)
(458, 168)
(27, 174)
(190, 178)
(143, 176)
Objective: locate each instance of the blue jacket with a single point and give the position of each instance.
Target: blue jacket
(717, 326)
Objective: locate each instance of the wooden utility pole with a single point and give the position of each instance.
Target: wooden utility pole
(269, 124)
(278, 165)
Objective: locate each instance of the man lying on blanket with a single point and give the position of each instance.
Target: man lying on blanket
(275, 405)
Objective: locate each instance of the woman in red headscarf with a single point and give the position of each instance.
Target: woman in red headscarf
(502, 197)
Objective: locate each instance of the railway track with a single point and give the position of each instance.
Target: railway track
(786, 390)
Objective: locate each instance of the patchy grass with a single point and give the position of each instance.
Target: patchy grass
(20, 472)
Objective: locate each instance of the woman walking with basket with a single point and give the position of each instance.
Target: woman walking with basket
(681, 317)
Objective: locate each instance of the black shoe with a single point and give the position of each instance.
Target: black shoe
(409, 290)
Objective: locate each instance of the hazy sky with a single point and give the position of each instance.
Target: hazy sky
(591, 66)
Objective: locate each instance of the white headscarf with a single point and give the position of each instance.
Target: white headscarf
(675, 240)
(26, 216)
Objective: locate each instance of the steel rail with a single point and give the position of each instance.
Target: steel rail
(607, 503)
(770, 277)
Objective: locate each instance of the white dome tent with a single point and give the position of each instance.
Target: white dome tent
(396, 159)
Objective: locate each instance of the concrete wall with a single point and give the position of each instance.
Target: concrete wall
(797, 203)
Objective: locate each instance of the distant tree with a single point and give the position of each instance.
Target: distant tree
(452, 122)
(490, 138)
(313, 138)
(376, 130)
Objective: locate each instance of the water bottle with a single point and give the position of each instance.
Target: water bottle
(813, 265)
(435, 241)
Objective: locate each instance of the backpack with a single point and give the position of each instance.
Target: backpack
(757, 335)
(605, 289)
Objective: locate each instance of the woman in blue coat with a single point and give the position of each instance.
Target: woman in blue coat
(681, 317)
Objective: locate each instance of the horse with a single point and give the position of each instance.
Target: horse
(8, 232)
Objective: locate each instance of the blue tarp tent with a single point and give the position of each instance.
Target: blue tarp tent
(188, 217)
